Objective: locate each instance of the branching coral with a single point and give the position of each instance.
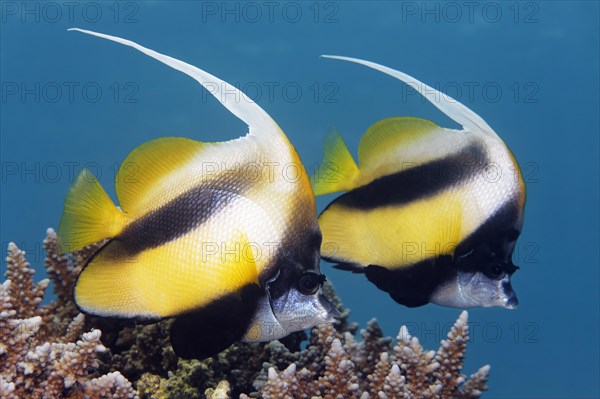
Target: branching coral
(240, 364)
(43, 350)
(407, 371)
(44, 353)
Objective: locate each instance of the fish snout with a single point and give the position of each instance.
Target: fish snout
(509, 296)
(512, 303)
(331, 313)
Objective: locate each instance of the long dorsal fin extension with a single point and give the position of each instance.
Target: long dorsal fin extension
(239, 104)
(456, 111)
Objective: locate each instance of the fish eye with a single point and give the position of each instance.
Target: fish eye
(309, 283)
(495, 271)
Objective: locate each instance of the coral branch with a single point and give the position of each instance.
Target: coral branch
(45, 352)
(42, 349)
(23, 293)
(406, 372)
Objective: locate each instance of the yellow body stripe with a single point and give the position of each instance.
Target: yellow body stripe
(182, 275)
(394, 236)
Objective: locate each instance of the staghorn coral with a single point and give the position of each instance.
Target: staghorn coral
(407, 371)
(45, 353)
(43, 350)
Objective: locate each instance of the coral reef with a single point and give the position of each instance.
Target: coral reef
(241, 364)
(336, 366)
(45, 352)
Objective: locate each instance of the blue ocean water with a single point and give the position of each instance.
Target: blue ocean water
(530, 69)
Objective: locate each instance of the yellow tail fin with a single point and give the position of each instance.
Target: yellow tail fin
(338, 171)
(89, 215)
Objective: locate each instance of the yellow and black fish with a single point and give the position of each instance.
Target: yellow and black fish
(216, 235)
(432, 214)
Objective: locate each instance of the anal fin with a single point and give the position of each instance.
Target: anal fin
(411, 286)
(210, 330)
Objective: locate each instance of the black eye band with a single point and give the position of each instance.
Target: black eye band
(512, 235)
(510, 268)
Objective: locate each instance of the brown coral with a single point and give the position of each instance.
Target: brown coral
(45, 353)
(42, 349)
(406, 372)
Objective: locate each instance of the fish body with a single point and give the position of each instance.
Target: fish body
(215, 235)
(430, 214)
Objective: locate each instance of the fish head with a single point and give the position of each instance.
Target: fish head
(294, 299)
(468, 287)
(491, 286)
(292, 303)
(303, 305)
(481, 273)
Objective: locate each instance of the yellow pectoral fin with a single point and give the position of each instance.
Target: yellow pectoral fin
(147, 164)
(89, 215)
(392, 236)
(337, 171)
(174, 278)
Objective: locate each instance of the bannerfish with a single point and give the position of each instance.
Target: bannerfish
(432, 214)
(214, 235)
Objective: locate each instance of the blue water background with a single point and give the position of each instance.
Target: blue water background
(533, 67)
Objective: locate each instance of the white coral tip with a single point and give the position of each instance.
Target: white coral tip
(272, 374)
(485, 369)
(403, 334)
(463, 318)
(290, 370)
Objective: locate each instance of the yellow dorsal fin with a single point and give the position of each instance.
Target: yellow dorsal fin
(386, 140)
(165, 281)
(89, 215)
(337, 171)
(147, 164)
